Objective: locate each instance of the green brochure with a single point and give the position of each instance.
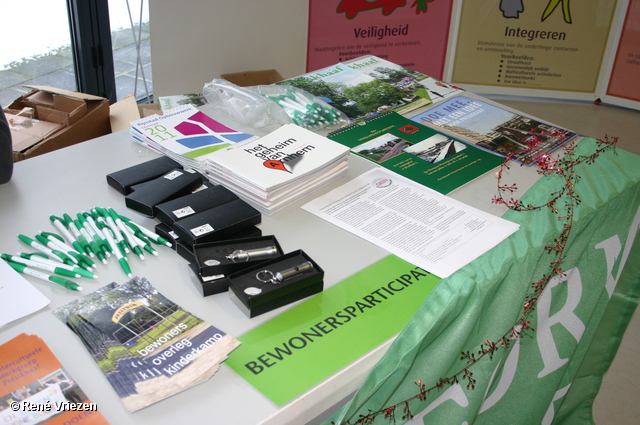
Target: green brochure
(308, 343)
(417, 152)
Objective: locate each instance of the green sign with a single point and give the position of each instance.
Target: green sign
(308, 343)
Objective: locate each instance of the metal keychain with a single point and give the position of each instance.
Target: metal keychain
(252, 254)
(267, 276)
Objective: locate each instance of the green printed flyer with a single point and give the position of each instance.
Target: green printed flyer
(308, 343)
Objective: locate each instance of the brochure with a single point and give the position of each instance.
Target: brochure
(403, 77)
(35, 388)
(419, 225)
(148, 347)
(496, 129)
(360, 95)
(279, 167)
(187, 135)
(417, 152)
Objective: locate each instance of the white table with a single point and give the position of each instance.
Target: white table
(74, 179)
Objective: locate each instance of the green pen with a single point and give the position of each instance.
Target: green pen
(52, 253)
(153, 237)
(60, 224)
(93, 246)
(41, 258)
(99, 237)
(62, 251)
(82, 260)
(21, 268)
(118, 238)
(42, 266)
(121, 259)
(76, 233)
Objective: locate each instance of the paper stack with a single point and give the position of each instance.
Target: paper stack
(148, 347)
(279, 168)
(33, 376)
(186, 134)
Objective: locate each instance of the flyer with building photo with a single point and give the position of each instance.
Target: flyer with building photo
(536, 45)
(35, 388)
(495, 129)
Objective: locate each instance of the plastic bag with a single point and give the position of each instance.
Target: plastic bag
(243, 106)
(304, 109)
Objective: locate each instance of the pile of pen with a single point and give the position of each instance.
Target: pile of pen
(99, 234)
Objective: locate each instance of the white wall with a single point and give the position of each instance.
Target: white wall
(195, 41)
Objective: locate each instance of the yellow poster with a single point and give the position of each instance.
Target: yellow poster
(532, 44)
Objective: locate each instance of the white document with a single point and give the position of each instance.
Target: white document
(424, 227)
(18, 297)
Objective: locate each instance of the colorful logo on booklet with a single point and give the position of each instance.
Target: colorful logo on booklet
(198, 128)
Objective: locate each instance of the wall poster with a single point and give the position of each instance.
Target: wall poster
(410, 33)
(534, 45)
(624, 82)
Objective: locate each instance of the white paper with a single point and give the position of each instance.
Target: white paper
(18, 297)
(424, 227)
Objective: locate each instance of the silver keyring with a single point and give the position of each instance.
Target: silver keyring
(265, 276)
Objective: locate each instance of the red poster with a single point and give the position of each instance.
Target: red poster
(411, 33)
(625, 75)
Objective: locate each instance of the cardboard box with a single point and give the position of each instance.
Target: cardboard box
(124, 111)
(64, 118)
(253, 78)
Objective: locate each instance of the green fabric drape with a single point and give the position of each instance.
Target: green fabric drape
(549, 376)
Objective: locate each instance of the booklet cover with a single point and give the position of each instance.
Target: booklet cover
(35, 388)
(359, 95)
(186, 134)
(495, 129)
(148, 347)
(417, 152)
(282, 157)
(403, 77)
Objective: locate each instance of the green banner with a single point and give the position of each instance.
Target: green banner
(308, 343)
(552, 374)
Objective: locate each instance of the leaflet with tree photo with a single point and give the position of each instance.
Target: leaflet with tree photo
(359, 95)
(403, 77)
(148, 347)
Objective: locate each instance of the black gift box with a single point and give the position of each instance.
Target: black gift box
(212, 257)
(216, 224)
(171, 185)
(193, 203)
(244, 285)
(185, 251)
(123, 180)
(210, 285)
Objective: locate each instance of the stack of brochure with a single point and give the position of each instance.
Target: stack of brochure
(148, 347)
(279, 168)
(32, 377)
(186, 134)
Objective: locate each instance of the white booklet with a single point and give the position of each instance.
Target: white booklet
(284, 156)
(418, 224)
